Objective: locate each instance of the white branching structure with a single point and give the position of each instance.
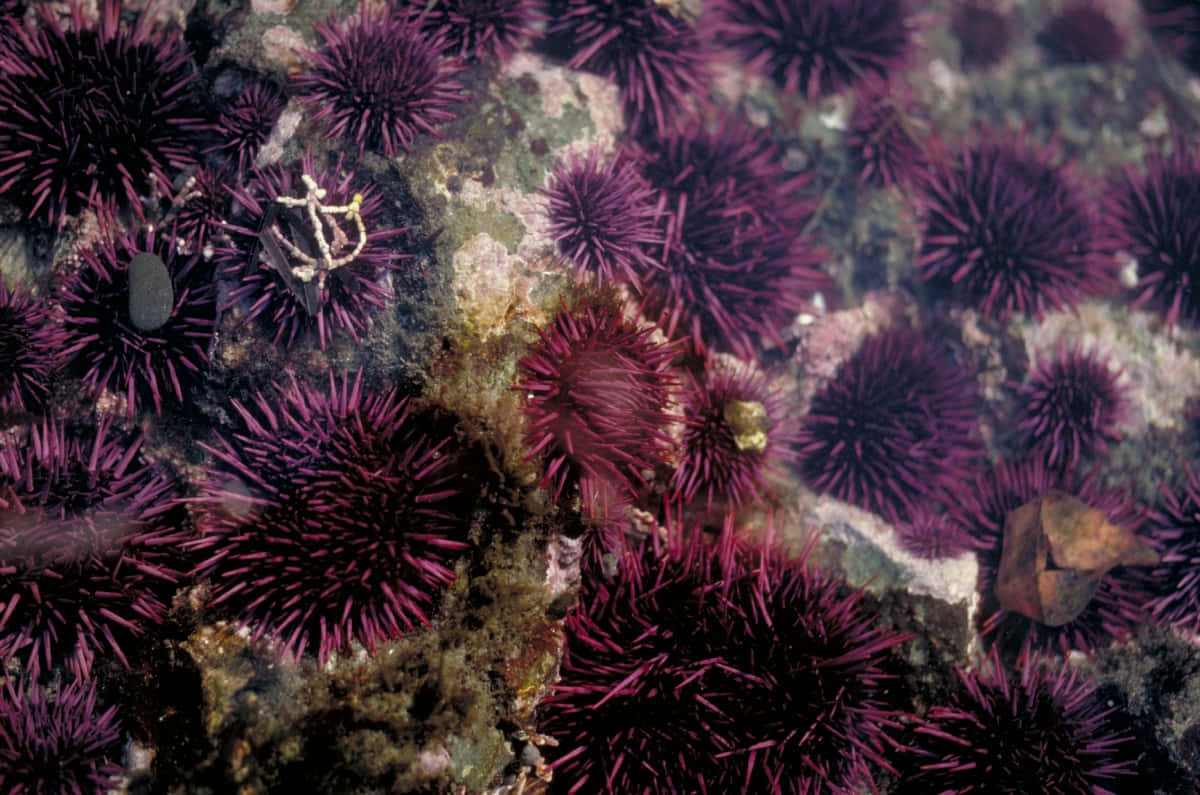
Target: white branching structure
(326, 221)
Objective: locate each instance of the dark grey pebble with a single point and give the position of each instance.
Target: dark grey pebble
(151, 295)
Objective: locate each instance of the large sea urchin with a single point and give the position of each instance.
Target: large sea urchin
(341, 504)
(92, 113)
(895, 425)
(87, 545)
(380, 79)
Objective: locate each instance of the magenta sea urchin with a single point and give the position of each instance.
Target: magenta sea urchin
(597, 389)
(1044, 730)
(57, 745)
(484, 29)
(246, 122)
(379, 79)
(341, 505)
(31, 347)
(814, 47)
(93, 113)
(87, 545)
(896, 425)
(1176, 581)
(1007, 231)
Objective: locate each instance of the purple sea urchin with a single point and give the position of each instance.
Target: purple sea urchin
(341, 505)
(380, 79)
(815, 47)
(1082, 33)
(736, 264)
(1045, 730)
(1006, 231)
(597, 388)
(246, 122)
(30, 350)
(86, 545)
(1155, 217)
(896, 424)
(92, 113)
(1176, 581)
(60, 745)
(1118, 606)
(493, 29)
(274, 257)
(1070, 407)
(1176, 23)
(883, 138)
(933, 536)
(736, 431)
(146, 366)
(654, 56)
(603, 218)
(984, 32)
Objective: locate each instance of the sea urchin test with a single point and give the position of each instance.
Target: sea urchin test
(151, 294)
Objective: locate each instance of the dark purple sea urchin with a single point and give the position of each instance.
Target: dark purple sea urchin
(1006, 231)
(933, 536)
(380, 80)
(31, 347)
(1082, 33)
(1176, 581)
(87, 544)
(652, 53)
(1155, 217)
(597, 388)
(492, 29)
(147, 367)
(56, 745)
(1070, 407)
(897, 424)
(1044, 730)
(246, 122)
(884, 138)
(92, 113)
(339, 503)
(603, 218)
(815, 47)
(273, 256)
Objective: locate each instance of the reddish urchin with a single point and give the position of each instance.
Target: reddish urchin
(380, 79)
(933, 536)
(146, 366)
(280, 281)
(736, 431)
(884, 138)
(484, 29)
(30, 350)
(1006, 231)
(1176, 581)
(1082, 33)
(597, 388)
(735, 265)
(92, 113)
(246, 122)
(60, 745)
(332, 517)
(1155, 217)
(1044, 730)
(895, 426)
(87, 541)
(603, 218)
(1118, 607)
(652, 53)
(815, 47)
(1071, 407)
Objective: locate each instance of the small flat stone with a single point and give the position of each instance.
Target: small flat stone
(151, 294)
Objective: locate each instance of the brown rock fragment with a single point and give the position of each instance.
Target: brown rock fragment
(1056, 551)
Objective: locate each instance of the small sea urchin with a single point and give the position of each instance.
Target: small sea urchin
(896, 424)
(1155, 217)
(380, 80)
(597, 389)
(146, 366)
(87, 545)
(1082, 33)
(30, 349)
(933, 536)
(57, 745)
(603, 218)
(1176, 581)
(1070, 407)
(492, 29)
(884, 138)
(815, 47)
(1006, 231)
(1044, 730)
(342, 504)
(246, 122)
(92, 113)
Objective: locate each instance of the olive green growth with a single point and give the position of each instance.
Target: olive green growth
(151, 294)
